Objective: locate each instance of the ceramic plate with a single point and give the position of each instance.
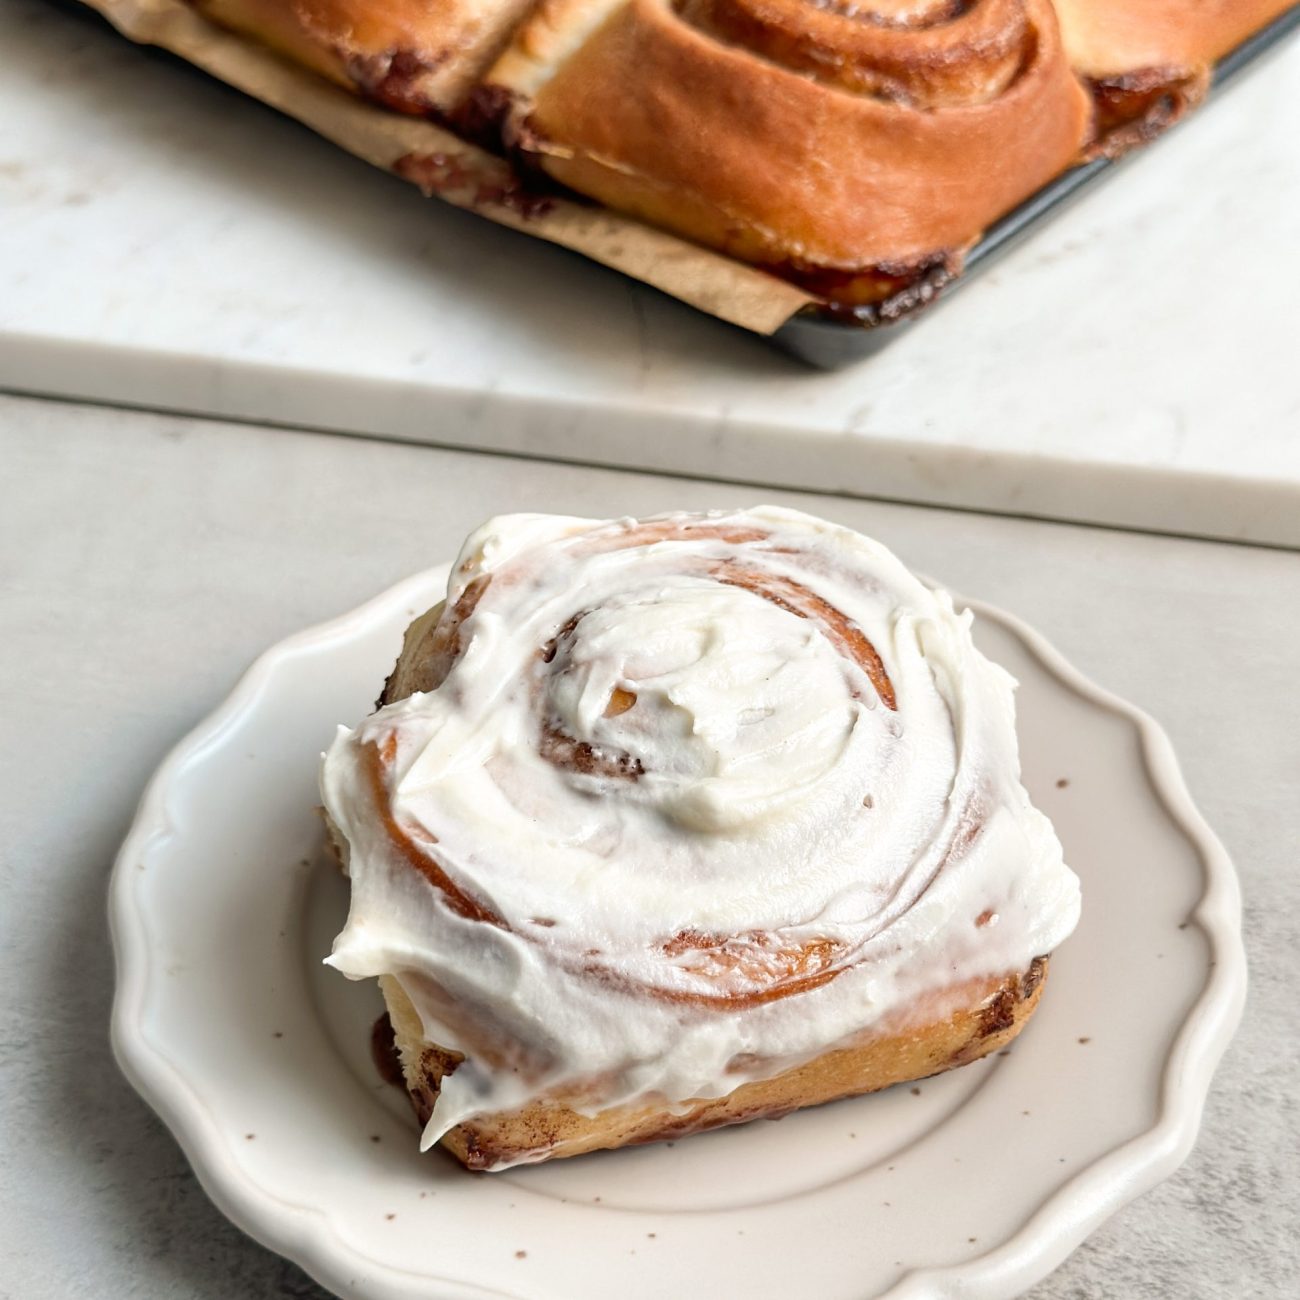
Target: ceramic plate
(973, 1184)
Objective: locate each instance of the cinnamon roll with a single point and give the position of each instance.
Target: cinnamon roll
(858, 148)
(414, 56)
(673, 823)
(1148, 61)
(867, 142)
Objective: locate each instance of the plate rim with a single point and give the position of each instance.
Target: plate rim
(301, 1232)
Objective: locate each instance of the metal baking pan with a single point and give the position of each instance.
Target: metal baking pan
(830, 344)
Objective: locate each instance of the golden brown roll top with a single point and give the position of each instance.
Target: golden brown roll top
(787, 133)
(416, 56)
(1148, 61)
(1111, 38)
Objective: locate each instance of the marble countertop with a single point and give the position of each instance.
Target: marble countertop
(146, 559)
(170, 243)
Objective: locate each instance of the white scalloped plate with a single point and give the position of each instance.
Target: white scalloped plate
(974, 1184)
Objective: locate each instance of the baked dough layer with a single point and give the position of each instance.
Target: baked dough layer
(856, 149)
(964, 1024)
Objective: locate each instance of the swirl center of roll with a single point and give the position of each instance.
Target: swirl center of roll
(732, 708)
(696, 727)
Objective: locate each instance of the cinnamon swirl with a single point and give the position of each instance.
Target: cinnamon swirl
(671, 823)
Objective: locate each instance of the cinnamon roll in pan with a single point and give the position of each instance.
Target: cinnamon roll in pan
(859, 151)
(667, 824)
(797, 136)
(1147, 62)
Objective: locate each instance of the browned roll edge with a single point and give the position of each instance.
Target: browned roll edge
(988, 1015)
(411, 56)
(737, 152)
(1147, 63)
(1135, 108)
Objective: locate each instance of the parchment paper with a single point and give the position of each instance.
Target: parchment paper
(444, 165)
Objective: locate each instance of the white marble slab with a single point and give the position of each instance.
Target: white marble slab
(148, 558)
(164, 242)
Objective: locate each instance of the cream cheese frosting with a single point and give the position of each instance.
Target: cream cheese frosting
(697, 799)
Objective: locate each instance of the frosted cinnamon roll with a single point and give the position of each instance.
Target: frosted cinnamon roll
(671, 823)
(849, 145)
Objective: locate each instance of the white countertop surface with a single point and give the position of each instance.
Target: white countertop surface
(169, 243)
(145, 560)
